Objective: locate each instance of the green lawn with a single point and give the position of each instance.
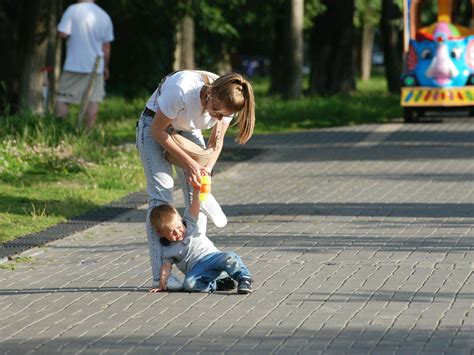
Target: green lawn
(50, 171)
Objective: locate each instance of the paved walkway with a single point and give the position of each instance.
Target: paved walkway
(360, 240)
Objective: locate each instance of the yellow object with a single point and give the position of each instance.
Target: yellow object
(428, 96)
(205, 189)
(444, 9)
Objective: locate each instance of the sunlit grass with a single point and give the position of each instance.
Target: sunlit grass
(50, 171)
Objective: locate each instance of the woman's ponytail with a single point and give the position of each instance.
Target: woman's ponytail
(236, 94)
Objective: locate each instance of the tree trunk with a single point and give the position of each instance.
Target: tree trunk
(184, 51)
(224, 65)
(53, 54)
(392, 45)
(368, 34)
(293, 87)
(11, 12)
(331, 49)
(280, 49)
(34, 56)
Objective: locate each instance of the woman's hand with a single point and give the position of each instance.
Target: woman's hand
(208, 170)
(193, 174)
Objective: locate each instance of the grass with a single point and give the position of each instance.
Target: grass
(370, 103)
(51, 171)
(11, 265)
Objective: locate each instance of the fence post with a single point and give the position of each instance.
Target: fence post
(87, 93)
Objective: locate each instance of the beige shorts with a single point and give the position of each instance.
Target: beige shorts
(72, 86)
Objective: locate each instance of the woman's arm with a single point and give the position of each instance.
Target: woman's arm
(158, 131)
(216, 153)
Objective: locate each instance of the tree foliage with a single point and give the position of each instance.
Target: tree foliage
(226, 32)
(367, 12)
(142, 52)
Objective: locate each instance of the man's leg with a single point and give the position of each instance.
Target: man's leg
(91, 114)
(62, 109)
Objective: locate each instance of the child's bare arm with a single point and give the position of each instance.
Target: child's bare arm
(195, 204)
(165, 272)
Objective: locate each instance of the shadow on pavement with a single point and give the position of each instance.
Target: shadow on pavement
(361, 338)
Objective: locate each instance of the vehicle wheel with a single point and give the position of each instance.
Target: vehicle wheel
(410, 115)
(471, 111)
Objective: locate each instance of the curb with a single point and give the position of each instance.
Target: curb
(31, 243)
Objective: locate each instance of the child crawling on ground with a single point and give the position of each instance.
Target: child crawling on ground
(194, 254)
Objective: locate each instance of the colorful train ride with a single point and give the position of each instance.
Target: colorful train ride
(438, 71)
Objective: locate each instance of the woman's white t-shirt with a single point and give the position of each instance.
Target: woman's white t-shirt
(180, 101)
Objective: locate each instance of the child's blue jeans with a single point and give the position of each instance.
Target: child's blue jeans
(202, 277)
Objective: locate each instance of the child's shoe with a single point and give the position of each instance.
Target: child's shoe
(225, 284)
(245, 286)
(213, 211)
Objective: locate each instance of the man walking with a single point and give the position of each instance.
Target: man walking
(89, 31)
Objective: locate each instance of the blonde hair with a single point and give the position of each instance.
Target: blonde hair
(236, 94)
(162, 215)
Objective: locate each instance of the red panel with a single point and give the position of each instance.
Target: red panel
(412, 59)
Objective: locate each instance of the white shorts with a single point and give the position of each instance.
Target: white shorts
(72, 86)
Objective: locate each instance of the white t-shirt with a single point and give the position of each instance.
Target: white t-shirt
(88, 27)
(180, 101)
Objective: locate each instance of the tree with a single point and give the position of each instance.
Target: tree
(331, 49)
(27, 33)
(54, 52)
(367, 18)
(280, 50)
(35, 47)
(295, 55)
(10, 14)
(392, 44)
(143, 49)
(216, 33)
(184, 51)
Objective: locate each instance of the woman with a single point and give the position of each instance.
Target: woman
(188, 101)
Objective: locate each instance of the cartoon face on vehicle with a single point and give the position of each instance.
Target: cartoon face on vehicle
(442, 58)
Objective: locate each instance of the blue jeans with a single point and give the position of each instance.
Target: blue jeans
(160, 184)
(202, 277)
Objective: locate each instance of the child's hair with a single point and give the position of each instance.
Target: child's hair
(236, 94)
(162, 215)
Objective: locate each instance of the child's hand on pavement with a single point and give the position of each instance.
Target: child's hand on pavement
(161, 288)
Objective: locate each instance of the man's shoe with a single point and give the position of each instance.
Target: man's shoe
(245, 286)
(225, 284)
(213, 211)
